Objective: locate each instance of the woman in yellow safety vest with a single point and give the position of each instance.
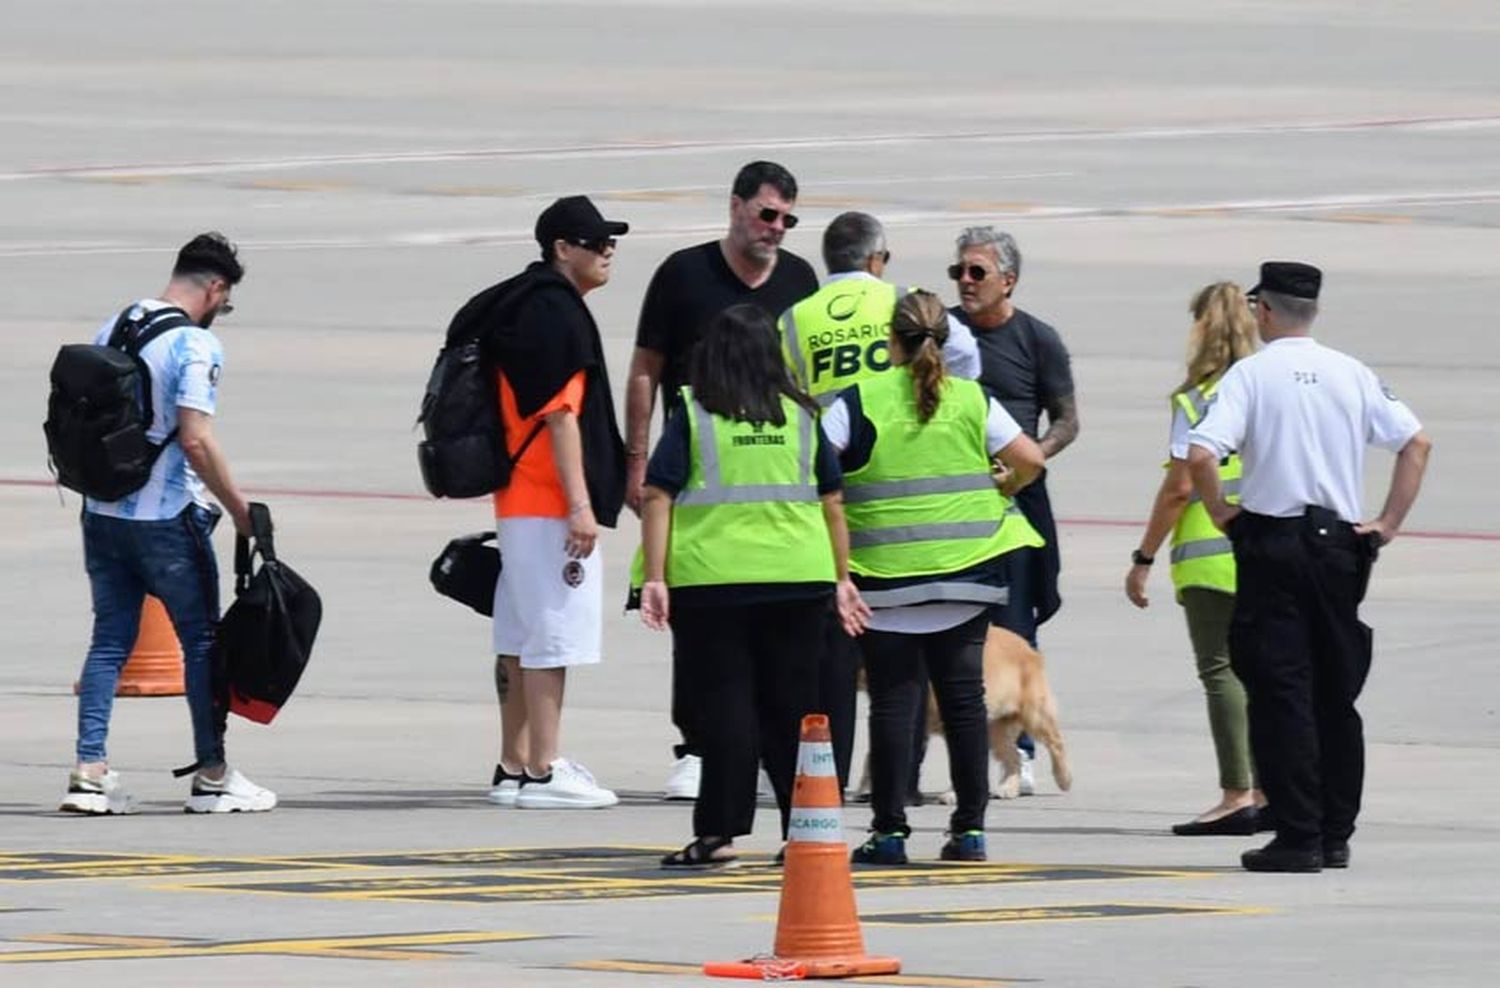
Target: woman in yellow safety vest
(1202, 559)
(745, 551)
(928, 531)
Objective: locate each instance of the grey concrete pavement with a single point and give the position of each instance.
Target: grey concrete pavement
(381, 161)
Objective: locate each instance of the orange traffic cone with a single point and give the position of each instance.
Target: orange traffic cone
(817, 930)
(155, 664)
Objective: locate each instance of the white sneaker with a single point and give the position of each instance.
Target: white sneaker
(687, 773)
(232, 794)
(503, 787)
(1028, 775)
(569, 786)
(97, 797)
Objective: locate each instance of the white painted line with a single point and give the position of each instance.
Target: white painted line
(635, 149)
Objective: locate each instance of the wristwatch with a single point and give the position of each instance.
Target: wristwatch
(1140, 558)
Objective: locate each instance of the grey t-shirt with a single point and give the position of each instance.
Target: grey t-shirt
(1024, 364)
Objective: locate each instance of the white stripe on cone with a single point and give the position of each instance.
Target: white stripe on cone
(816, 826)
(815, 758)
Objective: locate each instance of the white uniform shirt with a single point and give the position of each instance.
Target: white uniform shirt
(1000, 430)
(184, 365)
(1301, 414)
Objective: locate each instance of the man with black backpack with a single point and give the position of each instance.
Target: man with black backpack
(134, 434)
(560, 474)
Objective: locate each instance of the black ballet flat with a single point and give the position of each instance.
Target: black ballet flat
(1240, 823)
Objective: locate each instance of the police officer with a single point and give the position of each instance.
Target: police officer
(840, 334)
(745, 548)
(834, 338)
(1301, 415)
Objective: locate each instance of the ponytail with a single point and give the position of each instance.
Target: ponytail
(919, 328)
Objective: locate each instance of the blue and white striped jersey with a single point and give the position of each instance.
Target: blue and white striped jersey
(184, 365)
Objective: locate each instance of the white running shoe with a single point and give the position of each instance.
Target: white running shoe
(687, 773)
(232, 794)
(97, 797)
(569, 786)
(1028, 775)
(503, 787)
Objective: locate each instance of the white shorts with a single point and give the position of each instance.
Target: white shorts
(548, 606)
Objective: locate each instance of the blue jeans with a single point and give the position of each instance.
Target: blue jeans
(173, 561)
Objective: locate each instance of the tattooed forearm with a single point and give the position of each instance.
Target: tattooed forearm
(1062, 426)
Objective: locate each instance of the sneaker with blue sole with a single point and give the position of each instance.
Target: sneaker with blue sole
(881, 849)
(967, 846)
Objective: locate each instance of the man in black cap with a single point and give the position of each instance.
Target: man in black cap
(1300, 415)
(568, 479)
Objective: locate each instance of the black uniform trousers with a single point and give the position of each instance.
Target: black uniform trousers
(753, 671)
(1297, 644)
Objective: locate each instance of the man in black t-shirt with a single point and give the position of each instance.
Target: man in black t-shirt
(1025, 365)
(689, 288)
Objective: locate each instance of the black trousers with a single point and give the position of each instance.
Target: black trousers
(685, 712)
(839, 685)
(1297, 644)
(954, 660)
(753, 672)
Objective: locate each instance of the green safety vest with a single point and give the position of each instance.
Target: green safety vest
(926, 505)
(1201, 554)
(750, 511)
(840, 335)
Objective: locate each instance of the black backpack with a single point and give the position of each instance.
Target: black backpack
(463, 452)
(266, 635)
(100, 408)
(467, 570)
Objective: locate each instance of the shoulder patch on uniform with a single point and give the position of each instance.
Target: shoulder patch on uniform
(213, 373)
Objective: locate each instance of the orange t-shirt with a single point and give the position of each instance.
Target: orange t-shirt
(535, 489)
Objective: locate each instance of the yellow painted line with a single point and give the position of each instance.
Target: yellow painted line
(476, 191)
(1058, 914)
(1377, 219)
(996, 205)
(293, 185)
(660, 967)
(361, 946)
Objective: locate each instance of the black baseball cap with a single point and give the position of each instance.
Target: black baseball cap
(1289, 278)
(575, 218)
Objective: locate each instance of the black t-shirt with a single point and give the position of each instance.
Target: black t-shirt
(695, 284)
(1023, 363)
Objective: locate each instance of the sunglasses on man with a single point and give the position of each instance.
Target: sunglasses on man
(975, 272)
(769, 215)
(596, 244)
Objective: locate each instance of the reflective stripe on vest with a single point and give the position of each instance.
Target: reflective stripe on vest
(925, 503)
(1201, 555)
(953, 591)
(750, 511)
(840, 335)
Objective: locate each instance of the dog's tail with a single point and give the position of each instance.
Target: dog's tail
(1043, 726)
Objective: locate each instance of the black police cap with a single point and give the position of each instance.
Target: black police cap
(1289, 278)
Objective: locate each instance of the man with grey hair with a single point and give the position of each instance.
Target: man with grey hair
(833, 339)
(840, 335)
(1026, 366)
(1300, 414)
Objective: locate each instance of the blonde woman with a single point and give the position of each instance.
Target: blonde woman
(1202, 561)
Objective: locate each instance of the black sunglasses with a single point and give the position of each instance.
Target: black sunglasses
(769, 214)
(956, 272)
(596, 244)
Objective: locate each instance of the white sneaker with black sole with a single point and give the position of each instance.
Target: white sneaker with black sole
(687, 773)
(104, 796)
(1028, 774)
(569, 786)
(504, 787)
(231, 794)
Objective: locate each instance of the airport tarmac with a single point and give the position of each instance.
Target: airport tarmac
(379, 162)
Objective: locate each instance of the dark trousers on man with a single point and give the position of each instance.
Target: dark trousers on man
(1297, 644)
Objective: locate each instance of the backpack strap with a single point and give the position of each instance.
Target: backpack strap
(129, 336)
(259, 541)
(536, 430)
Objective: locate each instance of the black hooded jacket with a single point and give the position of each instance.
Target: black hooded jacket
(536, 328)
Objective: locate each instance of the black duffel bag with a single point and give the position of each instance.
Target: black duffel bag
(266, 636)
(467, 570)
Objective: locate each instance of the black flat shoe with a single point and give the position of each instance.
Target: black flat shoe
(1276, 856)
(705, 852)
(1265, 820)
(1240, 823)
(1336, 854)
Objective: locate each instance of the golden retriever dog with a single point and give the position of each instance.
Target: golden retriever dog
(1016, 698)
